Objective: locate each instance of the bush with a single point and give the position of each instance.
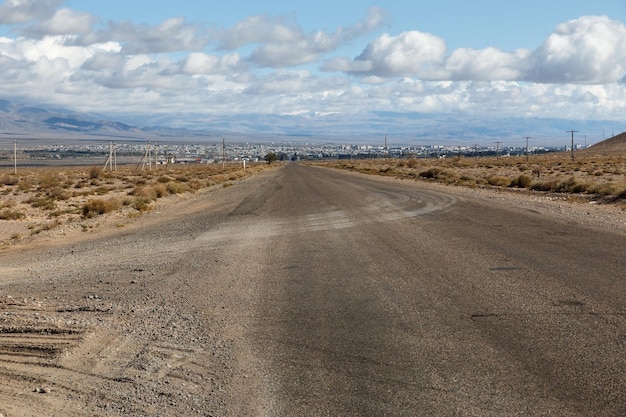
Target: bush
(571, 186)
(176, 187)
(523, 181)
(607, 188)
(58, 193)
(159, 190)
(141, 203)
(548, 185)
(44, 203)
(499, 181)
(436, 173)
(9, 214)
(98, 206)
(9, 180)
(94, 172)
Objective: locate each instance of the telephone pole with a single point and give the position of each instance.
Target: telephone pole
(527, 137)
(15, 157)
(498, 149)
(572, 132)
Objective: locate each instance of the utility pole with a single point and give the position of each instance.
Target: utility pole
(15, 157)
(386, 149)
(572, 132)
(223, 153)
(498, 149)
(527, 137)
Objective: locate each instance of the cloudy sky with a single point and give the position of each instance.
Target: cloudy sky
(561, 59)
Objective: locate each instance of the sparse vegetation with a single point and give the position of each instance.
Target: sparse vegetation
(44, 198)
(590, 176)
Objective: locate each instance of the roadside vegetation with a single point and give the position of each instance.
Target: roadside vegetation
(40, 199)
(588, 178)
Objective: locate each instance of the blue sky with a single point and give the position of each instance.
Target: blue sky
(546, 59)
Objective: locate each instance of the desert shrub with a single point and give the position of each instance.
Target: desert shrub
(44, 203)
(174, 187)
(499, 181)
(548, 185)
(8, 204)
(164, 179)
(522, 181)
(58, 193)
(94, 172)
(571, 185)
(141, 191)
(411, 162)
(159, 190)
(437, 173)
(49, 180)
(195, 184)
(10, 214)
(606, 188)
(9, 180)
(95, 207)
(25, 185)
(141, 203)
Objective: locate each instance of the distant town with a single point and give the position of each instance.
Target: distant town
(164, 153)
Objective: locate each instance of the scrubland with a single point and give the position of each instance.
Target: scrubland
(56, 200)
(600, 179)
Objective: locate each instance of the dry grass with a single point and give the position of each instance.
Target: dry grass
(40, 199)
(594, 177)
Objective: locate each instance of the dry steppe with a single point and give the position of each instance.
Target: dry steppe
(53, 202)
(588, 178)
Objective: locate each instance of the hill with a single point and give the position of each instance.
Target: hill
(614, 145)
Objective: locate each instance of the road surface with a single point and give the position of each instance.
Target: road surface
(306, 291)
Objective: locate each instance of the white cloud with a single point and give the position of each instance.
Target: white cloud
(22, 11)
(171, 35)
(411, 53)
(589, 50)
(282, 43)
(485, 64)
(258, 29)
(63, 22)
(202, 63)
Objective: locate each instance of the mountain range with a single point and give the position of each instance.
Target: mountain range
(32, 121)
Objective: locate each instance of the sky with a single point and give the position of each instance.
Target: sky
(483, 59)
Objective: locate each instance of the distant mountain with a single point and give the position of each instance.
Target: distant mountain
(34, 121)
(28, 119)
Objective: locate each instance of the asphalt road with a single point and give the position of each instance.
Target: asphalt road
(378, 298)
(306, 291)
